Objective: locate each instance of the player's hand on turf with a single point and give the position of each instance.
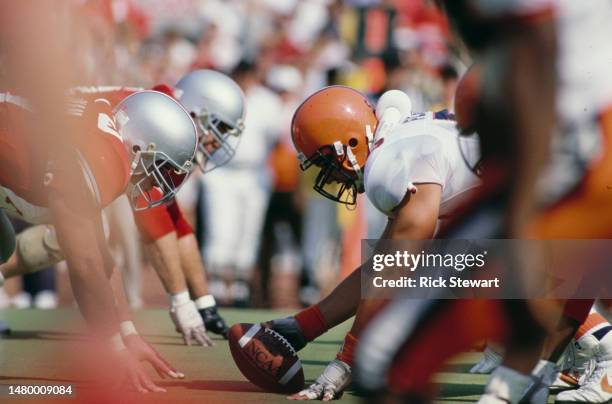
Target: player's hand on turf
(330, 385)
(144, 352)
(189, 323)
(135, 374)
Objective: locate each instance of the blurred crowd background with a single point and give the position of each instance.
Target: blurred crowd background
(258, 221)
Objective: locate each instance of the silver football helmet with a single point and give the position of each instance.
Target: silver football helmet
(161, 141)
(217, 105)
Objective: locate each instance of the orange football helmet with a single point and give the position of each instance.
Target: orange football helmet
(333, 130)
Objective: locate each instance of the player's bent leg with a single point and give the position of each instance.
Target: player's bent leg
(37, 248)
(7, 238)
(404, 345)
(7, 246)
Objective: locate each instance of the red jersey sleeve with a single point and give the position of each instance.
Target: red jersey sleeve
(156, 222)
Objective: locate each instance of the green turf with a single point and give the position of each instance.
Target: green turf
(34, 354)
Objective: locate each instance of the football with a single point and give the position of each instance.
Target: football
(266, 358)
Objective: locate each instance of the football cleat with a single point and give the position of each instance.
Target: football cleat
(578, 364)
(489, 362)
(597, 387)
(214, 322)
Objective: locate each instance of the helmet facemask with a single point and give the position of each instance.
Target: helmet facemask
(333, 180)
(218, 139)
(154, 169)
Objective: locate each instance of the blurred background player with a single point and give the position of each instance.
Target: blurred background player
(236, 198)
(114, 144)
(216, 104)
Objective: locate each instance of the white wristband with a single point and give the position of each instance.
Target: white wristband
(127, 328)
(117, 343)
(1, 280)
(206, 301)
(179, 298)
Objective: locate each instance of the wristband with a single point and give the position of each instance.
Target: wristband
(205, 302)
(117, 343)
(127, 328)
(179, 298)
(1, 280)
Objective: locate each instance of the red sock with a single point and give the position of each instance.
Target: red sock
(578, 309)
(311, 322)
(348, 349)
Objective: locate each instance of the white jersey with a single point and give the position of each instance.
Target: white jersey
(421, 150)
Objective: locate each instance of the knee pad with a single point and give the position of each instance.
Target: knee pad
(37, 248)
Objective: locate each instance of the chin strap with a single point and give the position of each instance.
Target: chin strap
(370, 137)
(135, 162)
(354, 164)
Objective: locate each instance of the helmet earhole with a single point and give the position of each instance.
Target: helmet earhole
(353, 142)
(135, 148)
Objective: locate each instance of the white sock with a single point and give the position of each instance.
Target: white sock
(546, 371)
(508, 384)
(205, 302)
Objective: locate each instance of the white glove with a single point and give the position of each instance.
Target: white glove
(330, 385)
(189, 323)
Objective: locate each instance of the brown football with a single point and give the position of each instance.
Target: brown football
(266, 358)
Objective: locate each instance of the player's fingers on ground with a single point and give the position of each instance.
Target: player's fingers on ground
(186, 337)
(329, 393)
(167, 368)
(204, 337)
(148, 384)
(198, 335)
(135, 381)
(298, 397)
(160, 367)
(311, 393)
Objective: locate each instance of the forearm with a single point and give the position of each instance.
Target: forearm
(95, 298)
(165, 257)
(192, 266)
(123, 308)
(341, 304)
(86, 265)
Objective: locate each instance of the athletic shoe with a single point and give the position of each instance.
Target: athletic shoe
(597, 388)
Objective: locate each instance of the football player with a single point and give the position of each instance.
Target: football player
(216, 104)
(574, 184)
(148, 141)
(334, 132)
